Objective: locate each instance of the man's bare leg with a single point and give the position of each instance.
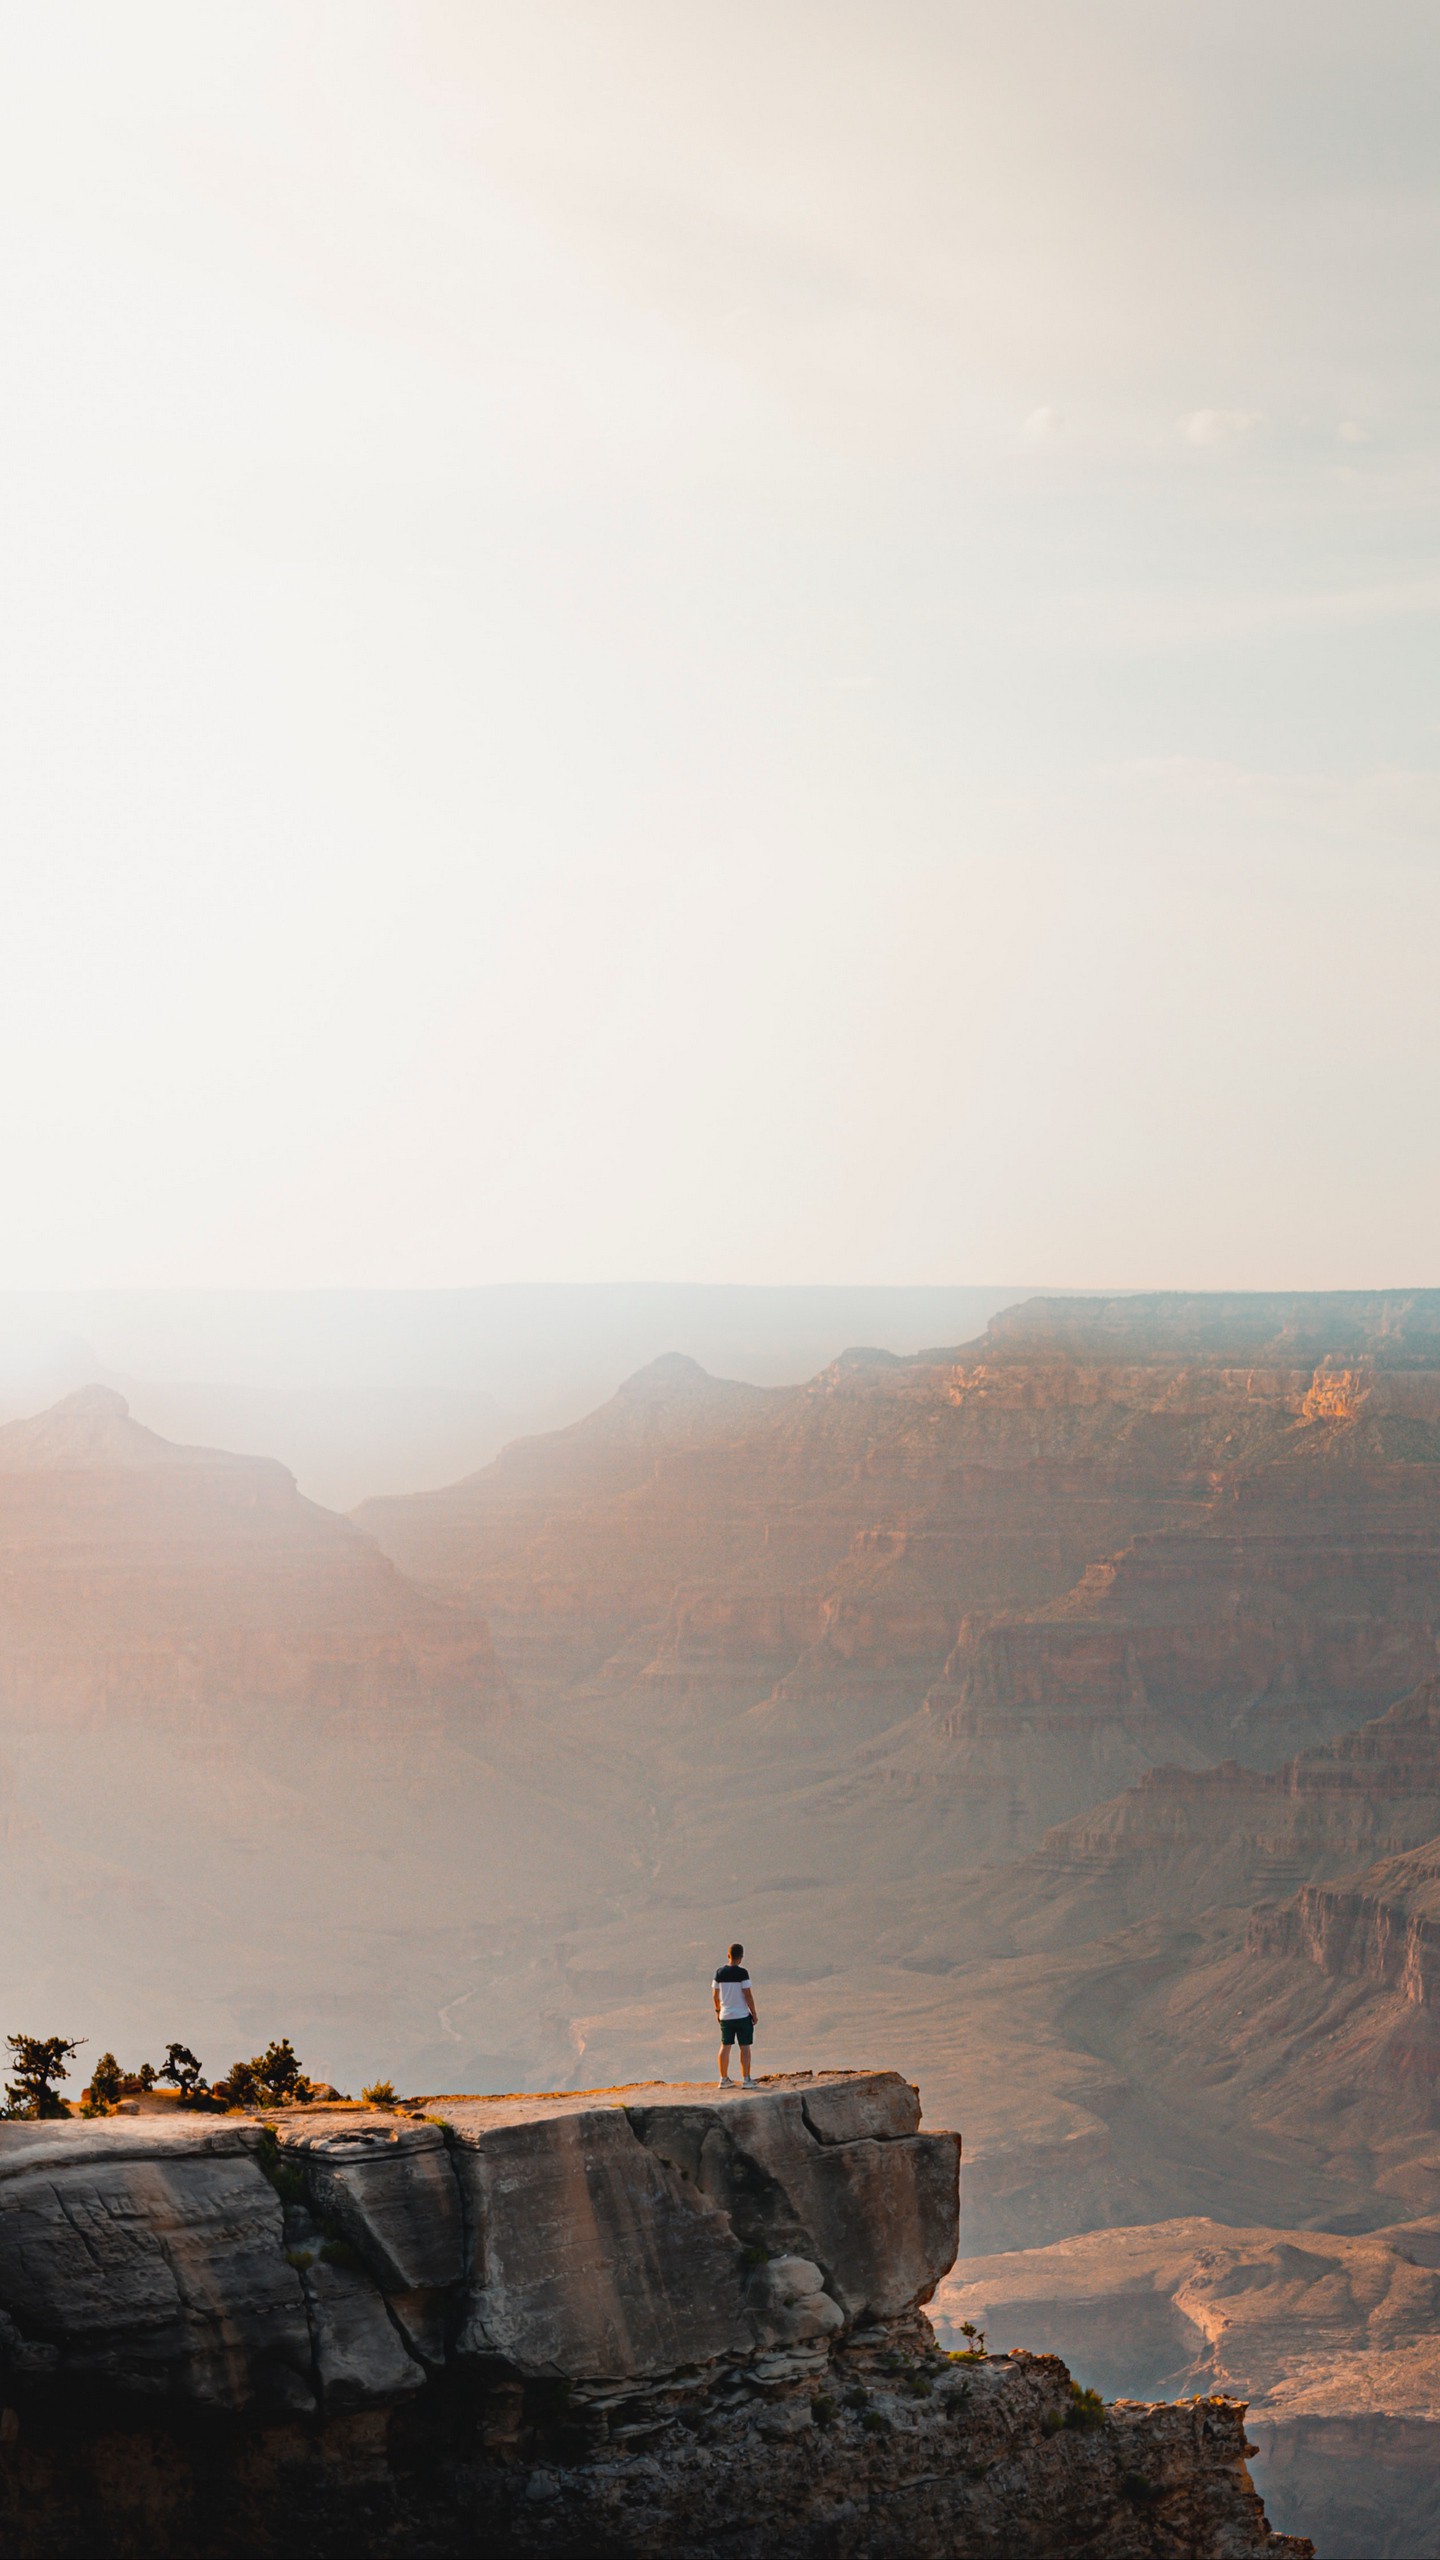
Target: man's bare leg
(723, 2058)
(744, 2062)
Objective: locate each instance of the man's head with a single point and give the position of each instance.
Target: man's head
(736, 1952)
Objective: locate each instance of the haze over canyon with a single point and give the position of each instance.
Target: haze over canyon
(1057, 1717)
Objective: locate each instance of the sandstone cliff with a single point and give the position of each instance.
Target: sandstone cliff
(648, 2321)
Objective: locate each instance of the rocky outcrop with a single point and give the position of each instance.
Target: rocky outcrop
(1334, 2341)
(550, 2324)
(1382, 1929)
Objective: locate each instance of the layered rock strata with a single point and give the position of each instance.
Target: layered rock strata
(1383, 1928)
(642, 2321)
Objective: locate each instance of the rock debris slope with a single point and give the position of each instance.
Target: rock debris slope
(549, 2325)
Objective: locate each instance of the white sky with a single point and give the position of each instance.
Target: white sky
(767, 642)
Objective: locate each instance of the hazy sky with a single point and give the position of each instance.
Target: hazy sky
(776, 642)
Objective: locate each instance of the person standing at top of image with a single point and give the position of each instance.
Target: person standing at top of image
(735, 2008)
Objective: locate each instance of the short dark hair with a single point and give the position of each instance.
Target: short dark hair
(736, 1952)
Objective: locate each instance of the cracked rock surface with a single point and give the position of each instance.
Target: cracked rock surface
(551, 2324)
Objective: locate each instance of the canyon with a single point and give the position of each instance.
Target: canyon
(1061, 1708)
(1333, 2342)
(626, 2323)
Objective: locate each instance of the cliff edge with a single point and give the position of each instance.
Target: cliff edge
(637, 2321)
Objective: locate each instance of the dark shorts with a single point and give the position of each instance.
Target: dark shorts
(737, 2030)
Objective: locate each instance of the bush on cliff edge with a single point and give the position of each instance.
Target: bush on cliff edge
(39, 2067)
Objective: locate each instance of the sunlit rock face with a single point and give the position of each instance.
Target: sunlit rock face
(137, 1577)
(547, 2324)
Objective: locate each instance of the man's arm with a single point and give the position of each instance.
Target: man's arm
(750, 2004)
(715, 1995)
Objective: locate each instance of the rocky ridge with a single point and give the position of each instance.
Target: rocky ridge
(138, 1578)
(549, 2324)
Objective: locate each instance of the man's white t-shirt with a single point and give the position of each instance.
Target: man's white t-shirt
(732, 1982)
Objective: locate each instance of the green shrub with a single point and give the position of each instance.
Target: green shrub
(269, 2079)
(107, 2082)
(824, 2410)
(338, 2253)
(381, 2093)
(1086, 2409)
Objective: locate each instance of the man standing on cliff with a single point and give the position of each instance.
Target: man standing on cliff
(735, 2008)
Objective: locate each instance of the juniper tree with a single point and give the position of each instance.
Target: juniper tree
(39, 2066)
(183, 2067)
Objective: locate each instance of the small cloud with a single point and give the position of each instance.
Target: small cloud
(1350, 431)
(1219, 426)
(1042, 427)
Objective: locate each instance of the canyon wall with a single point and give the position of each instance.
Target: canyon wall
(1101, 1538)
(647, 2320)
(1383, 1928)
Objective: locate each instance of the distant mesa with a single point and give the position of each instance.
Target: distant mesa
(1397, 1327)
